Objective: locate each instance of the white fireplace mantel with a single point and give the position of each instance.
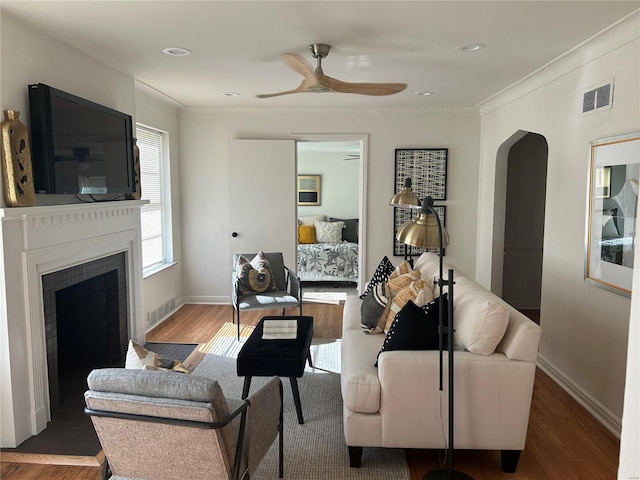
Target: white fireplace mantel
(36, 241)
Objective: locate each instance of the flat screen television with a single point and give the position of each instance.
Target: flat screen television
(78, 146)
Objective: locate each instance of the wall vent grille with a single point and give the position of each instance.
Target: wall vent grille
(598, 97)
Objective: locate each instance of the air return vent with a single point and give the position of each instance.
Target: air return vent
(598, 97)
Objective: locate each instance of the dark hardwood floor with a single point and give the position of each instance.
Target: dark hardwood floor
(564, 442)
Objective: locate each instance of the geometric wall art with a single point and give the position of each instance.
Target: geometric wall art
(427, 168)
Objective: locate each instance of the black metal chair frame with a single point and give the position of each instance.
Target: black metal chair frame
(293, 286)
(240, 410)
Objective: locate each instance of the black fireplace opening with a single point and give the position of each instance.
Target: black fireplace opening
(85, 309)
(87, 316)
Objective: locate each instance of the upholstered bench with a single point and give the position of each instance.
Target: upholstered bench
(259, 357)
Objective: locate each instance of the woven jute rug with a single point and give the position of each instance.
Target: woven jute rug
(316, 449)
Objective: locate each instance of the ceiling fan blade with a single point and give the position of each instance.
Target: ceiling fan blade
(300, 65)
(362, 88)
(301, 88)
(269, 95)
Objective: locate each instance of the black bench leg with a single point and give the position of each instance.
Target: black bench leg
(296, 398)
(355, 456)
(509, 460)
(309, 359)
(245, 387)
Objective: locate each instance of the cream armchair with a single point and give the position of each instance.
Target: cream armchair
(167, 426)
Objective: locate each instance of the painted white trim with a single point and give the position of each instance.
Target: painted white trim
(208, 300)
(607, 418)
(363, 139)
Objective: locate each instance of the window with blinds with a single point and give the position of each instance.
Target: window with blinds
(153, 215)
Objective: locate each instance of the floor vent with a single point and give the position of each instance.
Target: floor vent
(156, 316)
(598, 97)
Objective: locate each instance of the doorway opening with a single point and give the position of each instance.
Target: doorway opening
(524, 217)
(329, 261)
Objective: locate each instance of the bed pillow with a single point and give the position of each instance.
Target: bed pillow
(306, 234)
(382, 273)
(328, 232)
(350, 232)
(309, 219)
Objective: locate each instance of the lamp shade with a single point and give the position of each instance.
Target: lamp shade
(405, 198)
(423, 231)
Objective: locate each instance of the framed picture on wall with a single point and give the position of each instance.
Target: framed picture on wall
(403, 215)
(614, 181)
(308, 189)
(427, 168)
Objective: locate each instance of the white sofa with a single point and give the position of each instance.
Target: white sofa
(398, 404)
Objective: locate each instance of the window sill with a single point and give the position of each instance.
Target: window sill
(147, 272)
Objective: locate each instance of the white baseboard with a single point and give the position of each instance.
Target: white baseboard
(610, 421)
(208, 300)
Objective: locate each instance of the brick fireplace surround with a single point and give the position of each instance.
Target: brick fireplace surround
(40, 240)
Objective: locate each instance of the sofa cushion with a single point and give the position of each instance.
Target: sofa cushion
(479, 319)
(382, 274)
(374, 308)
(412, 329)
(359, 380)
(417, 291)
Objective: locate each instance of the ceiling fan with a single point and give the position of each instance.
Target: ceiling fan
(316, 81)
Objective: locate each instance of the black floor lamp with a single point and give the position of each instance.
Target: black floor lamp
(426, 231)
(405, 198)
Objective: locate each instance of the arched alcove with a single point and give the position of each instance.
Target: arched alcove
(518, 229)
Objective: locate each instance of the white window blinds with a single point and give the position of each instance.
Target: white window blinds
(151, 185)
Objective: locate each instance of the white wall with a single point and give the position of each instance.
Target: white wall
(204, 141)
(339, 195)
(584, 328)
(30, 57)
(155, 111)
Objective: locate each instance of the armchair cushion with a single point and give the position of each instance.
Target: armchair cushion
(254, 276)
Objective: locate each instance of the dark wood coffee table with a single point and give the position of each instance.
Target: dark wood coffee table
(279, 357)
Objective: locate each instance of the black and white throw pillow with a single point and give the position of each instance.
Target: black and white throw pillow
(412, 329)
(383, 272)
(373, 308)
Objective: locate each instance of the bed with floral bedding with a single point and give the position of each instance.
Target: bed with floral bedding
(328, 262)
(327, 251)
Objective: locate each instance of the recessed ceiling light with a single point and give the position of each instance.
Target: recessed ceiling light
(424, 94)
(471, 47)
(232, 94)
(177, 51)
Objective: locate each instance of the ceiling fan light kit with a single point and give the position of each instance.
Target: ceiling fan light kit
(315, 81)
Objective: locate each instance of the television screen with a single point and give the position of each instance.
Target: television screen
(79, 147)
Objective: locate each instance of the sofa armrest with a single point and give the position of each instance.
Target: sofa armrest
(492, 400)
(521, 339)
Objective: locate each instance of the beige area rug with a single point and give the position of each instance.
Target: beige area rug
(316, 449)
(332, 298)
(325, 352)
